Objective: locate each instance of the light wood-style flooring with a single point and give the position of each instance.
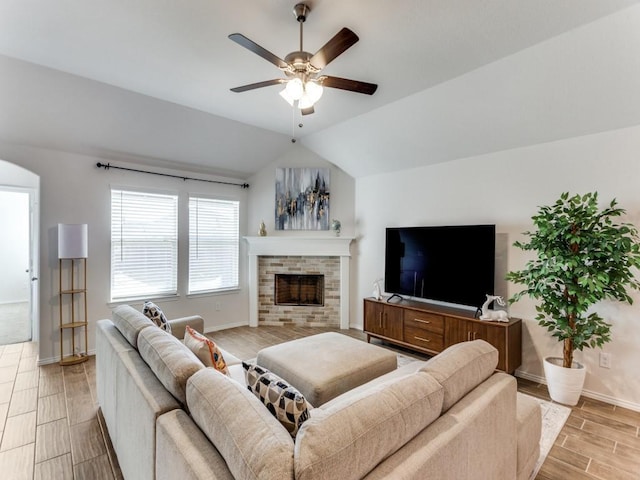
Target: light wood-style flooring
(49, 425)
(48, 419)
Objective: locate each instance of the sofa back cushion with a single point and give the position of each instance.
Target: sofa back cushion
(168, 358)
(249, 438)
(348, 437)
(462, 367)
(130, 322)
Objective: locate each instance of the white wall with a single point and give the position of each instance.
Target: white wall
(506, 188)
(74, 190)
(262, 195)
(14, 246)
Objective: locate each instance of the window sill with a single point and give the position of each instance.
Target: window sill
(127, 301)
(213, 293)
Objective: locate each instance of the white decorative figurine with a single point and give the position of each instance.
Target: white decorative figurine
(377, 294)
(494, 315)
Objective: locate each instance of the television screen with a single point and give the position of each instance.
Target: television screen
(452, 264)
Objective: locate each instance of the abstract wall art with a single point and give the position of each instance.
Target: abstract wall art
(302, 199)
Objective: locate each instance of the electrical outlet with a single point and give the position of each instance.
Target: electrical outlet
(217, 306)
(605, 360)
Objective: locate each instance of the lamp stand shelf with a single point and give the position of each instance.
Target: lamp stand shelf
(71, 296)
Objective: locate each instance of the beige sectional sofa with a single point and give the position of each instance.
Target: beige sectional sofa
(452, 417)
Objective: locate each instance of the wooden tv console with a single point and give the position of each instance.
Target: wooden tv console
(430, 328)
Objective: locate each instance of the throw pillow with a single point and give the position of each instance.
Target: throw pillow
(205, 349)
(284, 402)
(153, 312)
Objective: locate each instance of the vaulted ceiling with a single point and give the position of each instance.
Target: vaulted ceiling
(149, 80)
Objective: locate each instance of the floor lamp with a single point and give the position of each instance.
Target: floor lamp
(73, 253)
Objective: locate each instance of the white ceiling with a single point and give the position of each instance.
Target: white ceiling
(456, 78)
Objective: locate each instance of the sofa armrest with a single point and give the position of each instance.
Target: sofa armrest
(179, 325)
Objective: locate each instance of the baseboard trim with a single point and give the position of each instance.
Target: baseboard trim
(226, 325)
(587, 393)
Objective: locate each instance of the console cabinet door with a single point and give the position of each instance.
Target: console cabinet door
(383, 320)
(392, 320)
(458, 330)
(373, 313)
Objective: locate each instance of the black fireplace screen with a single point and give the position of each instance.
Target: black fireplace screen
(305, 290)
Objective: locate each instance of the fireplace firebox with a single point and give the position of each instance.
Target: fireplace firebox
(299, 289)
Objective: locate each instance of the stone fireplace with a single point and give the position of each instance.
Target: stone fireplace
(313, 272)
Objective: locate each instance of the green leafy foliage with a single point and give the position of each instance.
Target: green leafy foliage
(583, 257)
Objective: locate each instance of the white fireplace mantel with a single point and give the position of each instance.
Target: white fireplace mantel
(299, 247)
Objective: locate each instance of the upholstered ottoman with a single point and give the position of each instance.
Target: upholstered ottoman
(326, 365)
(529, 421)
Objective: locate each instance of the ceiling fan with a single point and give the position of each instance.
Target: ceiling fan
(304, 85)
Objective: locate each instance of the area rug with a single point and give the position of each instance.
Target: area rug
(554, 417)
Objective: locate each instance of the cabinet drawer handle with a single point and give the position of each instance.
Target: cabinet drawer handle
(420, 338)
(468, 336)
(421, 321)
(474, 335)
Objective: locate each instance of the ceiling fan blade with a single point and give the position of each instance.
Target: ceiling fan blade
(307, 111)
(258, 50)
(253, 86)
(346, 84)
(340, 42)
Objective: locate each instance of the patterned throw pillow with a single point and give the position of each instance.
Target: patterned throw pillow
(153, 312)
(205, 349)
(283, 401)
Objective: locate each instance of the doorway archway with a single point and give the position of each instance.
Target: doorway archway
(19, 293)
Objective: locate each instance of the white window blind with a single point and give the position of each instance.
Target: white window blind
(144, 244)
(213, 244)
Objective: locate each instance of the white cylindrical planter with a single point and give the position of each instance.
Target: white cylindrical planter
(564, 384)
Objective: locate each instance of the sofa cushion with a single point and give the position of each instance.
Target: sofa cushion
(156, 315)
(251, 441)
(129, 322)
(205, 349)
(171, 361)
(461, 367)
(349, 437)
(529, 423)
(282, 400)
(184, 452)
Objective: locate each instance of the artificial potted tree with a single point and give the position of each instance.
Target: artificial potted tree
(583, 257)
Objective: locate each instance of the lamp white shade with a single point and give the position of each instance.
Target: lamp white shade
(73, 240)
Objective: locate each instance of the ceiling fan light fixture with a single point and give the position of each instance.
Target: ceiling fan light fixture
(305, 102)
(313, 90)
(295, 89)
(285, 94)
(303, 85)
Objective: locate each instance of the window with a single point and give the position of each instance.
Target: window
(144, 244)
(213, 244)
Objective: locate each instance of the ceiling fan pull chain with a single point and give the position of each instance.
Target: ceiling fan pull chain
(293, 125)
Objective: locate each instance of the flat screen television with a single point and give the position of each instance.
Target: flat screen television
(451, 264)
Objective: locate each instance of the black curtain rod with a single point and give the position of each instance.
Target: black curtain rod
(107, 166)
